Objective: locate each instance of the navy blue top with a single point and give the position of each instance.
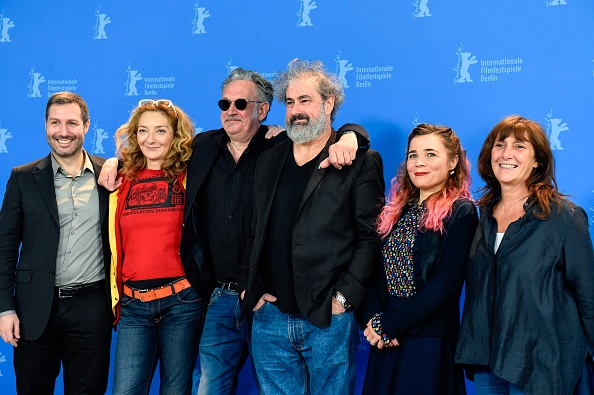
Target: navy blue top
(529, 308)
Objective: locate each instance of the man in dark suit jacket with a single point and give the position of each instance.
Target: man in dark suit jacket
(54, 306)
(314, 244)
(217, 219)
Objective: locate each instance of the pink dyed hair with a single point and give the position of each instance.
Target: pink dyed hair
(439, 205)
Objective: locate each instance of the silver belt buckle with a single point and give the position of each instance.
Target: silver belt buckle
(66, 288)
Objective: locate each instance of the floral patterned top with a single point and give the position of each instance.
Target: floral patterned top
(397, 255)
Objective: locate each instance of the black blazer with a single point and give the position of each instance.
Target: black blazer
(29, 220)
(335, 243)
(194, 251)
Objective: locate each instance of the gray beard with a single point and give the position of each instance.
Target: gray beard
(301, 134)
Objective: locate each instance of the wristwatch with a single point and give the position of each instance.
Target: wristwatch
(341, 299)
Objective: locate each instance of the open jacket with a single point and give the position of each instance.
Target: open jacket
(529, 308)
(29, 220)
(194, 251)
(334, 239)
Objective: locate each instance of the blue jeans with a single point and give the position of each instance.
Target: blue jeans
(486, 383)
(224, 344)
(165, 330)
(292, 356)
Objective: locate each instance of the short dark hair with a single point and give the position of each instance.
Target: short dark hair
(68, 98)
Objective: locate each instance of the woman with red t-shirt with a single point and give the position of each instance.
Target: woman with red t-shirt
(158, 311)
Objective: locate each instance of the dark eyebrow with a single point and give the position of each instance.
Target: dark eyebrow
(426, 149)
(300, 97)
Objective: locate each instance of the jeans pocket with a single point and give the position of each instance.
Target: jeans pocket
(188, 295)
(259, 309)
(339, 314)
(213, 297)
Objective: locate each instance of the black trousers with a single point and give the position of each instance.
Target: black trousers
(78, 336)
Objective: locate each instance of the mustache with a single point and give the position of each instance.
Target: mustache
(297, 117)
(233, 118)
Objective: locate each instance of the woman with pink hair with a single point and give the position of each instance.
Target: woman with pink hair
(412, 312)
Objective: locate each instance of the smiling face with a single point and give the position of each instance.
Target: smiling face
(512, 161)
(65, 130)
(154, 136)
(243, 124)
(428, 164)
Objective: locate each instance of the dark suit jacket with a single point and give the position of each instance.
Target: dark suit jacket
(194, 250)
(335, 244)
(29, 220)
(195, 254)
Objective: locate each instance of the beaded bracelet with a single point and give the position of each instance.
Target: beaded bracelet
(376, 325)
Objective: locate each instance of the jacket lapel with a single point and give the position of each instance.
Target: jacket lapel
(200, 164)
(318, 173)
(277, 161)
(102, 192)
(44, 178)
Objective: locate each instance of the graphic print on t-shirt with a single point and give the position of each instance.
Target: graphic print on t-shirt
(154, 193)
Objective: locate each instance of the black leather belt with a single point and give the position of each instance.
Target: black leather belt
(230, 286)
(69, 291)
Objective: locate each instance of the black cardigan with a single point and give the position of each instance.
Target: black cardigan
(438, 270)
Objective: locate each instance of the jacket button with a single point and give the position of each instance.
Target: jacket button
(52, 273)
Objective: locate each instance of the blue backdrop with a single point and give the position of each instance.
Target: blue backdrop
(465, 64)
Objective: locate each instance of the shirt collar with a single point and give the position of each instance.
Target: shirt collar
(87, 165)
(254, 144)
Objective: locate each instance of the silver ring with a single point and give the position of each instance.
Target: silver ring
(373, 343)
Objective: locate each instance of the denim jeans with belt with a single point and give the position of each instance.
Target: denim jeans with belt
(165, 330)
(224, 344)
(292, 356)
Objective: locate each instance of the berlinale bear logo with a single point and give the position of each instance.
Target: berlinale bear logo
(4, 135)
(554, 129)
(6, 24)
(102, 20)
(303, 14)
(200, 15)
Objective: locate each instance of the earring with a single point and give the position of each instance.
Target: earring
(451, 172)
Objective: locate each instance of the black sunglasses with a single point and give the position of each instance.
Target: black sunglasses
(240, 104)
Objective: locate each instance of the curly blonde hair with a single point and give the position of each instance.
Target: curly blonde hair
(180, 150)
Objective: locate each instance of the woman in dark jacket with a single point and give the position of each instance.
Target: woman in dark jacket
(528, 322)
(412, 313)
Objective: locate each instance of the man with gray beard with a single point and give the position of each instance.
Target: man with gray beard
(313, 245)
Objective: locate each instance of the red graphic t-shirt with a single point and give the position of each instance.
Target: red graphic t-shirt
(151, 227)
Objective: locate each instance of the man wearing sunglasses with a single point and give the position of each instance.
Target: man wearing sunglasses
(218, 216)
(313, 245)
